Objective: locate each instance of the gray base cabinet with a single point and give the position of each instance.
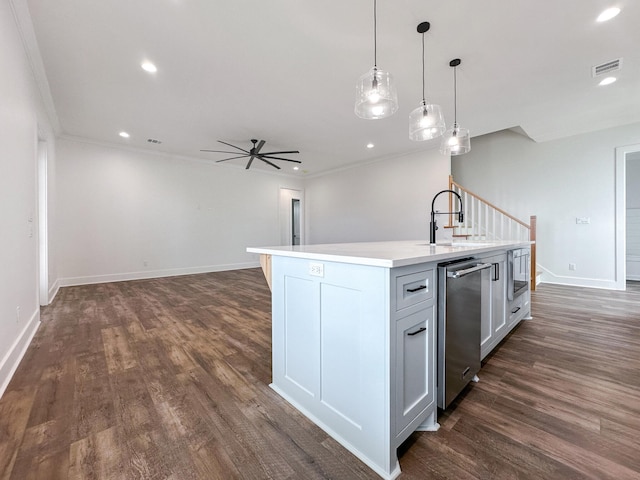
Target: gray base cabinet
(354, 350)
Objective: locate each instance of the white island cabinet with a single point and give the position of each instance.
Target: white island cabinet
(494, 316)
(354, 339)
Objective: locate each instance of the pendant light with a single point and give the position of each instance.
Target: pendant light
(376, 95)
(456, 140)
(426, 121)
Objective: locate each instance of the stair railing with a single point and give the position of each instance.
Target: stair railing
(484, 221)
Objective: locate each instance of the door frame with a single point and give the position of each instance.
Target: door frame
(621, 214)
(43, 223)
(286, 214)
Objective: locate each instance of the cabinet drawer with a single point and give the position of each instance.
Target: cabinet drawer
(517, 309)
(414, 288)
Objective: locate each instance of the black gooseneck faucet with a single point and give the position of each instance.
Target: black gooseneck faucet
(432, 225)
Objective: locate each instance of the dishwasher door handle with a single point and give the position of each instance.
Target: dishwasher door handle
(468, 271)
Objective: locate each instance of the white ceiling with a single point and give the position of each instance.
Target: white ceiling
(285, 71)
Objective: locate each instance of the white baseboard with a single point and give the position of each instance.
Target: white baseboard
(12, 359)
(123, 277)
(550, 277)
(633, 267)
(53, 291)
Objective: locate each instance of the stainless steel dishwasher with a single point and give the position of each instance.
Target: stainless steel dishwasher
(459, 322)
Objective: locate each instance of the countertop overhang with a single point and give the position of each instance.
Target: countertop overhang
(388, 254)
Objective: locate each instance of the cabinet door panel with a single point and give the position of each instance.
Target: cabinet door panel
(342, 341)
(415, 355)
(494, 315)
(486, 326)
(298, 338)
(498, 295)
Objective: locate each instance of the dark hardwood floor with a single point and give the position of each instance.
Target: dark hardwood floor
(168, 379)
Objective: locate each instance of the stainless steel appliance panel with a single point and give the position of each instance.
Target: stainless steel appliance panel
(517, 272)
(459, 323)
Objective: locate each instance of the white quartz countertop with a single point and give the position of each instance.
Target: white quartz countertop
(388, 254)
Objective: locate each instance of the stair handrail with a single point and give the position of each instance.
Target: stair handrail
(531, 226)
(491, 205)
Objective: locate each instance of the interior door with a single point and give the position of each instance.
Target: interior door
(295, 221)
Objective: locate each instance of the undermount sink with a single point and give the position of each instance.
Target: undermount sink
(460, 244)
(470, 244)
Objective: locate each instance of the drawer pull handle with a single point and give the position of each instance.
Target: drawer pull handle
(420, 330)
(421, 287)
(514, 311)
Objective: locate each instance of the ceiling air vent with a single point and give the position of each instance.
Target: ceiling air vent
(153, 140)
(606, 67)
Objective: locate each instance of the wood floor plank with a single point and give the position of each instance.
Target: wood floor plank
(168, 379)
(97, 456)
(93, 407)
(15, 409)
(118, 352)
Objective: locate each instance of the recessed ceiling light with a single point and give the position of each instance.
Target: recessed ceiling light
(607, 81)
(296, 168)
(149, 67)
(124, 134)
(370, 145)
(608, 14)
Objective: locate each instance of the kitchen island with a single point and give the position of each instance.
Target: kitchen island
(354, 338)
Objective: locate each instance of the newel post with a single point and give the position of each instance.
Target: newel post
(532, 237)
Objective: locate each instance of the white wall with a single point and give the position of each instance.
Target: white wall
(127, 214)
(21, 116)
(558, 181)
(386, 200)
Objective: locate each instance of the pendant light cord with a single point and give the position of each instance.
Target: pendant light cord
(424, 101)
(455, 96)
(375, 31)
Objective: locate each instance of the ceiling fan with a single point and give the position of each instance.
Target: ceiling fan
(255, 153)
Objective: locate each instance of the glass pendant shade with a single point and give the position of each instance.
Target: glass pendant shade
(376, 95)
(426, 122)
(455, 141)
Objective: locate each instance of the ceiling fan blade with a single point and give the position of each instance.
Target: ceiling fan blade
(280, 158)
(250, 162)
(241, 149)
(220, 151)
(231, 158)
(267, 161)
(280, 153)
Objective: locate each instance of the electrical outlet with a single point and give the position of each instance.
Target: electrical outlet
(316, 269)
(583, 220)
(572, 266)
